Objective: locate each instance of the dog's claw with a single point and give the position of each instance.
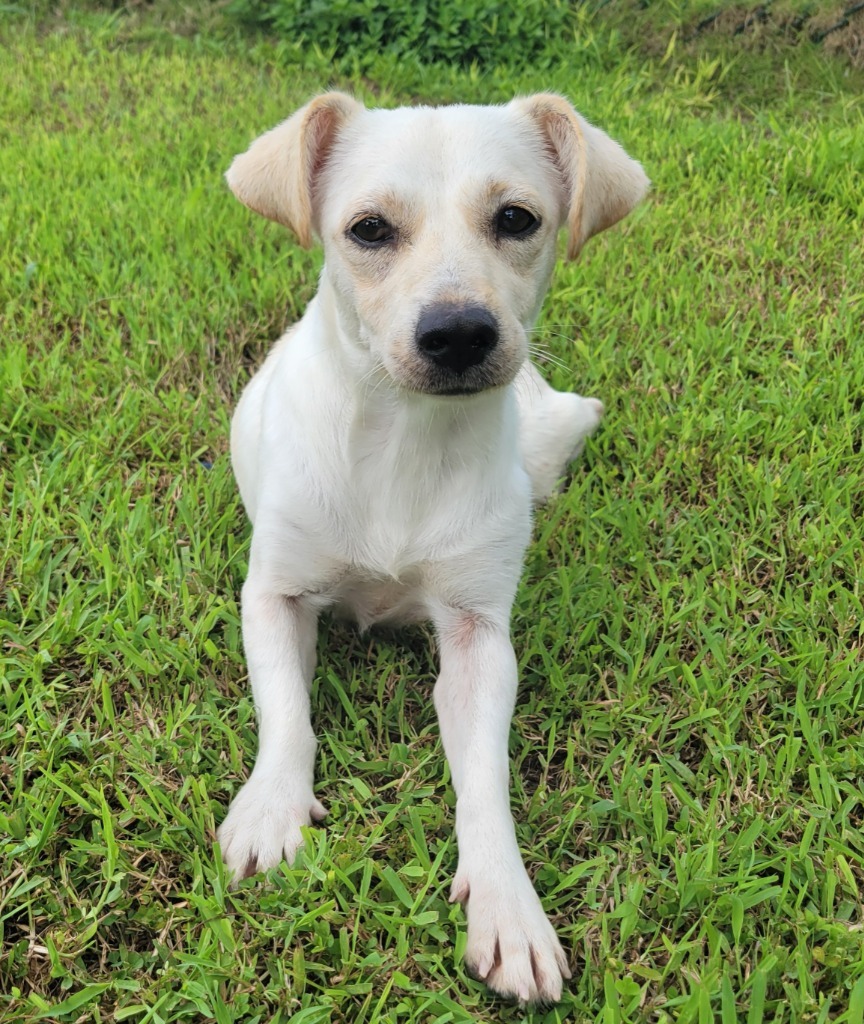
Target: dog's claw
(459, 891)
(483, 969)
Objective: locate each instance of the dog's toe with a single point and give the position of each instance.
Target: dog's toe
(511, 944)
(263, 827)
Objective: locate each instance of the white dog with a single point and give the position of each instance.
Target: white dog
(389, 448)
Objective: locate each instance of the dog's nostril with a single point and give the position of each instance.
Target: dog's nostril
(456, 337)
(433, 343)
(484, 338)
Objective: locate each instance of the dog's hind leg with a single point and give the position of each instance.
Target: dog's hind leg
(553, 427)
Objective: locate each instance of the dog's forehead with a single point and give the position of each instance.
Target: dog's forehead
(421, 147)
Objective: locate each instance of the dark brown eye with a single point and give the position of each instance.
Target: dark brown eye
(514, 221)
(372, 231)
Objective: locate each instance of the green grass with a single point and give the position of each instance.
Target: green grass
(687, 753)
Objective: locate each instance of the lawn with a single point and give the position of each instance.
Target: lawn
(687, 750)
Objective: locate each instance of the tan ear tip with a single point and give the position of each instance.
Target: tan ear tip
(342, 104)
(573, 250)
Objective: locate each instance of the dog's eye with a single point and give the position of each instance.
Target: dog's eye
(513, 220)
(372, 230)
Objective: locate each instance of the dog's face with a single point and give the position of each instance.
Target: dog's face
(439, 229)
(439, 224)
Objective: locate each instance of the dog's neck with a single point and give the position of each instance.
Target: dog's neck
(411, 424)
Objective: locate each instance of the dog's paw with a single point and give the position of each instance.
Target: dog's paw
(580, 419)
(511, 944)
(553, 435)
(263, 825)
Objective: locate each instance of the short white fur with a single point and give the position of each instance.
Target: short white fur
(370, 495)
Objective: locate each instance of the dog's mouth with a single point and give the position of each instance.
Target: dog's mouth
(460, 392)
(431, 384)
(432, 380)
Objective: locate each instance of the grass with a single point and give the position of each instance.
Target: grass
(687, 753)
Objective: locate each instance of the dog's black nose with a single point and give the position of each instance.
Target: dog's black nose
(456, 337)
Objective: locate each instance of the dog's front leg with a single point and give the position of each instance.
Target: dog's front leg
(264, 820)
(511, 944)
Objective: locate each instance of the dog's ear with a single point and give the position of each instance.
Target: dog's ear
(276, 175)
(601, 183)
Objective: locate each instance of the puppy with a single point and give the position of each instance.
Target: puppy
(389, 449)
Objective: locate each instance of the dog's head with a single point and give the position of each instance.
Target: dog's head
(439, 225)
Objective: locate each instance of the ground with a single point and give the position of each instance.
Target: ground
(687, 753)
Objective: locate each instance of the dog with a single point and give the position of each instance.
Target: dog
(390, 448)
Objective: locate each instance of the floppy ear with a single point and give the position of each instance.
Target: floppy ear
(602, 184)
(276, 175)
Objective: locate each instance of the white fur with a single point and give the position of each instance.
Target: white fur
(371, 495)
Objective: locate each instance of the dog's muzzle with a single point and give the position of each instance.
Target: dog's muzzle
(457, 345)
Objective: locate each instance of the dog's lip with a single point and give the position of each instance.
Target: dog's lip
(452, 388)
(456, 392)
(476, 381)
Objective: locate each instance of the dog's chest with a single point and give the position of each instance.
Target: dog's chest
(388, 532)
(404, 497)
(362, 502)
